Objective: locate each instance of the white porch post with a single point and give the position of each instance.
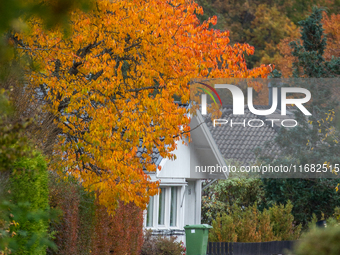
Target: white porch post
(198, 189)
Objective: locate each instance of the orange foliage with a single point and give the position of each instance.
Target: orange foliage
(85, 227)
(332, 30)
(119, 234)
(110, 85)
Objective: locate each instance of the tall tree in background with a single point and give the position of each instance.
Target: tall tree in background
(110, 87)
(310, 54)
(265, 32)
(314, 140)
(330, 23)
(297, 10)
(262, 23)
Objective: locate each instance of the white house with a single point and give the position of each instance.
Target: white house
(179, 202)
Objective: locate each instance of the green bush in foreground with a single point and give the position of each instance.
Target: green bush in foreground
(25, 209)
(320, 242)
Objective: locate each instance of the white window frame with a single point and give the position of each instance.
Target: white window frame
(152, 213)
(167, 209)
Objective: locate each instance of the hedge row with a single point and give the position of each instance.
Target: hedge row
(84, 226)
(37, 206)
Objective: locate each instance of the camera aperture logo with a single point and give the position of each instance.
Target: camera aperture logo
(238, 104)
(204, 96)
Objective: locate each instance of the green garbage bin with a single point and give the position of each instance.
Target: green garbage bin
(196, 237)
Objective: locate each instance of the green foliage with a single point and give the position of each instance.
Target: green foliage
(262, 23)
(310, 54)
(14, 13)
(25, 210)
(284, 222)
(13, 143)
(297, 10)
(29, 181)
(321, 241)
(309, 196)
(29, 186)
(222, 195)
(53, 13)
(268, 28)
(313, 141)
(210, 11)
(24, 231)
(251, 225)
(161, 245)
(223, 229)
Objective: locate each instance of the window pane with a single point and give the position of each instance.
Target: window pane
(149, 216)
(173, 211)
(161, 207)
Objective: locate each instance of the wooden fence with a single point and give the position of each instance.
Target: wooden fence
(263, 248)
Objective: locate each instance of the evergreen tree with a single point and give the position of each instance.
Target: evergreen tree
(310, 53)
(314, 140)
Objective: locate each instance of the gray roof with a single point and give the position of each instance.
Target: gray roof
(156, 157)
(237, 143)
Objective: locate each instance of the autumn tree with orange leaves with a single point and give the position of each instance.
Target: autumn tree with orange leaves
(110, 86)
(331, 24)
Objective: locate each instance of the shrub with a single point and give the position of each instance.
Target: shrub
(24, 211)
(85, 227)
(76, 223)
(251, 225)
(121, 233)
(322, 241)
(224, 194)
(27, 208)
(161, 245)
(127, 229)
(283, 222)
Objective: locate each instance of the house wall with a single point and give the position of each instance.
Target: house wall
(181, 173)
(179, 168)
(193, 202)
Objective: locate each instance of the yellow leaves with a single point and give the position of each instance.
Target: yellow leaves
(115, 83)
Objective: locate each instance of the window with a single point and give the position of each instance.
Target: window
(161, 208)
(173, 208)
(149, 215)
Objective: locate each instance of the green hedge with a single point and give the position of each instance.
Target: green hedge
(29, 206)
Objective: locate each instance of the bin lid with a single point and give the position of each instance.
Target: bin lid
(197, 226)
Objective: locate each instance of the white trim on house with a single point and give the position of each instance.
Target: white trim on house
(212, 144)
(180, 174)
